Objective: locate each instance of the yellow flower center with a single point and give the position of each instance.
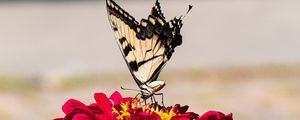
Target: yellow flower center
(124, 113)
(166, 116)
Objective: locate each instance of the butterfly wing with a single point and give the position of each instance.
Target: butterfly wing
(146, 47)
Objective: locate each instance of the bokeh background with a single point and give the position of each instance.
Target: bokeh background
(239, 56)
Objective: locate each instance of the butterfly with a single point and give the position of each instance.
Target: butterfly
(147, 45)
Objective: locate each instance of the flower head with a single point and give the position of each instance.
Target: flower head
(118, 108)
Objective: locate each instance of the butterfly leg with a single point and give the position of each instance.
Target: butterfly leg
(155, 99)
(137, 95)
(152, 100)
(143, 100)
(162, 98)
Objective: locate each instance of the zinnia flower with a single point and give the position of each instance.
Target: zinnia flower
(118, 108)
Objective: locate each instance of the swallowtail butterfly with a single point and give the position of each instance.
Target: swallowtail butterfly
(146, 45)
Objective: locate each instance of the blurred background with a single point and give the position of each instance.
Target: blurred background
(238, 56)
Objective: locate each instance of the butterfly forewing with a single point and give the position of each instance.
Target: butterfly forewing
(144, 57)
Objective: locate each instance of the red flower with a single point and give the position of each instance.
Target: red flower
(215, 115)
(75, 110)
(118, 108)
(102, 109)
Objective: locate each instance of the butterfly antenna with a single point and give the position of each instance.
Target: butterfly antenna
(130, 89)
(190, 8)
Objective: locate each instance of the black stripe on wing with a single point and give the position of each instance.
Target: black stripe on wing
(122, 40)
(145, 61)
(128, 48)
(117, 11)
(132, 64)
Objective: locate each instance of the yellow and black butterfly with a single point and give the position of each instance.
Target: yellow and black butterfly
(146, 45)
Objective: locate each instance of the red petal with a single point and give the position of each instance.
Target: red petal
(81, 117)
(71, 115)
(103, 103)
(146, 116)
(127, 99)
(215, 115)
(180, 118)
(72, 104)
(183, 109)
(116, 97)
(95, 108)
(106, 117)
(186, 116)
(228, 117)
